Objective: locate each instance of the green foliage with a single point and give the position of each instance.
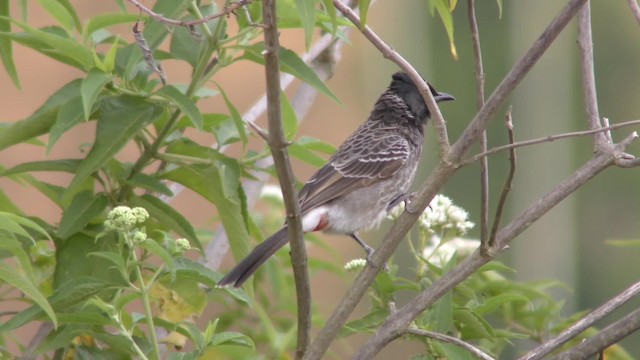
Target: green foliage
(90, 270)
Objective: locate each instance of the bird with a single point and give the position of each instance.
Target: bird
(368, 175)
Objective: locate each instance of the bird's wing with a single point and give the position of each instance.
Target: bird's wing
(360, 162)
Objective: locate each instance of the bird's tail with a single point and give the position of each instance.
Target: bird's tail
(245, 268)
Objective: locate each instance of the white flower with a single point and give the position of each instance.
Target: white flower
(271, 192)
(440, 255)
(183, 244)
(355, 265)
(124, 218)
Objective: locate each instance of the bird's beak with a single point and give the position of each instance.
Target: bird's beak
(443, 97)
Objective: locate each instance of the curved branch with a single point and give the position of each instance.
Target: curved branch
(451, 340)
(165, 20)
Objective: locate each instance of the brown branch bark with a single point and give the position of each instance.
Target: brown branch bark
(507, 184)
(277, 143)
(235, 5)
(443, 171)
(451, 340)
(404, 65)
(605, 338)
(583, 324)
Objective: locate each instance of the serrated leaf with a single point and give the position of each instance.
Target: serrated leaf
(91, 87)
(184, 103)
(307, 13)
(167, 215)
(363, 6)
(11, 277)
(69, 115)
(58, 12)
(84, 207)
(102, 21)
(291, 63)
(120, 119)
(39, 122)
(6, 48)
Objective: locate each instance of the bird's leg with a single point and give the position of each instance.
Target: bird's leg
(367, 249)
(404, 197)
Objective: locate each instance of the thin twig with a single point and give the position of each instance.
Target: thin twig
(484, 163)
(547, 139)
(439, 176)
(605, 338)
(583, 324)
(187, 23)
(450, 340)
(507, 184)
(635, 9)
(391, 54)
(277, 143)
(585, 44)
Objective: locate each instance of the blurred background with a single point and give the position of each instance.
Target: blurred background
(568, 244)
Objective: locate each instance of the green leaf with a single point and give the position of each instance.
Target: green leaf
(58, 12)
(40, 121)
(232, 338)
(167, 215)
(235, 115)
(499, 8)
(11, 277)
(72, 12)
(70, 115)
(444, 10)
(26, 223)
(624, 243)
(220, 185)
(68, 294)
(184, 103)
(68, 165)
(7, 205)
(116, 259)
(184, 46)
(68, 50)
(368, 323)
(316, 145)
(91, 87)
(84, 207)
(443, 308)
(307, 13)
(290, 63)
(12, 245)
(102, 21)
(473, 325)
(188, 269)
(6, 50)
(363, 6)
(301, 153)
(494, 302)
(163, 254)
(150, 183)
(289, 119)
(331, 12)
(120, 119)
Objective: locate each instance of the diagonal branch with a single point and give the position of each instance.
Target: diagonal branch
(277, 143)
(443, 171)
(635, 9)
(605, 338)
(389, 53)
(583, 324)
(235, 5)
(450, 340)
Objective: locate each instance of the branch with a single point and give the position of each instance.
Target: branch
(507, 184)
(583, 324)
(635, 9)
(160, 18)
(450, 340)
(484, 163)
(277, 143)
(440, 175)
(605, 338)
(547, 139)
(585, 44)
(388, 53)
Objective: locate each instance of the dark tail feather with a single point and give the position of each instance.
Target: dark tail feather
(245, 268)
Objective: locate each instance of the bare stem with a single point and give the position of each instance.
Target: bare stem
(277, 143)
(635, 9)
(160, 18)
(507, 184)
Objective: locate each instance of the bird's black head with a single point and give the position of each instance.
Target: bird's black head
(403, 86)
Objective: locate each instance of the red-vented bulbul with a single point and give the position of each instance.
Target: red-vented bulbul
(369, 174)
